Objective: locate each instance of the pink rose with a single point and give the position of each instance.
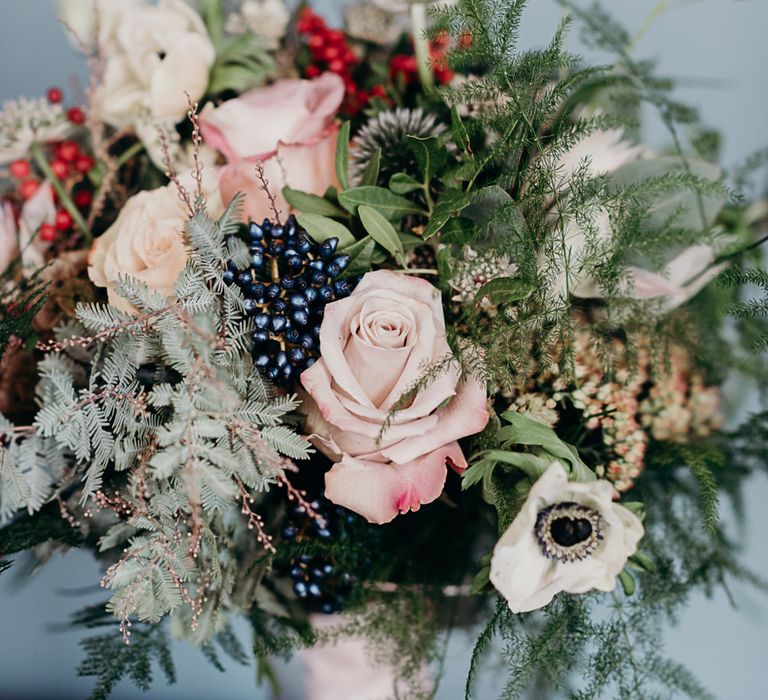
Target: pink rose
(375, 345)
(289, 127)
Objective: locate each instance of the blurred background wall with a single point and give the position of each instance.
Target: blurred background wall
(718, 51)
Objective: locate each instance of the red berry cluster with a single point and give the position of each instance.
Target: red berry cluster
(406, 68)
(68, 163)
(331, 52)
(75, 114)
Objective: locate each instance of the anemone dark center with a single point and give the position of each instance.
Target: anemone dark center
(570, 531)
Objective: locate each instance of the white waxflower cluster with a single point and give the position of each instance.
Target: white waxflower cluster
(24, 122)
(267, 19)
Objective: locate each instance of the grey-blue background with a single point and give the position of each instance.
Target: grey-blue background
(719, 49)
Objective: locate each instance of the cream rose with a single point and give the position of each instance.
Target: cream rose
(8, 243)
(289, 127)
(154, 55)
(146, 242)
(568, 536)
(374, 346)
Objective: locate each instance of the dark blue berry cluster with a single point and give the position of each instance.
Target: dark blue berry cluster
(316, 579)
(287, 284)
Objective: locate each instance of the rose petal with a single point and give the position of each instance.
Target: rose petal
(379, 492)
(466, 414)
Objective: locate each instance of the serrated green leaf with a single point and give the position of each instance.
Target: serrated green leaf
(321, 228)
(342, 155)
(527, 431)
(388, 204)
(382, 232)
(371, 173)
(312, 204)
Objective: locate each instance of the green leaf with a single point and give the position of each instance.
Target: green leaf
(527, 431)
(371, 173)
(321, 228)
(504, 290)
(458, 231)
(451, 203)
(431, 155)
(481, 580)
(311, 203)
(635, 507)
(643, 561)
(402, 183)
(477, 472)
(342, 155)
(213, 16)
(627, 582)
(388, 204)
(382, 232)
(533, 465)
(460, 134)
(683, 204)
(360, 257)
(30, 530)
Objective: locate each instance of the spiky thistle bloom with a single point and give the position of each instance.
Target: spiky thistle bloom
(24, 122)
(388, 131)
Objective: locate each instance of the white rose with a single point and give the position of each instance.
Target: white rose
(568, 536)
(265, 18)
(154, 55)
(146, 242)
(8, 243)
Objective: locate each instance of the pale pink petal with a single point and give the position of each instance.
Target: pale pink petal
(317, 381)
(379, 492)
(466, 414)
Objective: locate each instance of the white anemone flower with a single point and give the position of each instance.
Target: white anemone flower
(568, 536)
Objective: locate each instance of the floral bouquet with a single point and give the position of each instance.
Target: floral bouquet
(365, 333)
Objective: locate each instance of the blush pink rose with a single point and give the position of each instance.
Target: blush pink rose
(289, 127)
(374, 346)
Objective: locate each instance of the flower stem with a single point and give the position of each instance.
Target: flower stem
(39, 158)
(421, 43)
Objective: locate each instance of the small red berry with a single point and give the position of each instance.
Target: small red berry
(47, 233)
(20, 168)
(337, 66)
(378, 91)
(335, 36)
(63, 220)
(60, 168)
(82, 199)
(55, 95)
(28, 188)
(84, 164)
(68, 151)
(312, 71)
(76, 115)
(330, 53)
(316, 41)
(363, 96)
